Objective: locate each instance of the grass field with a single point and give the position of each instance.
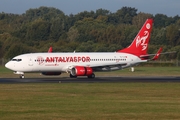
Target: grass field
(92, 101)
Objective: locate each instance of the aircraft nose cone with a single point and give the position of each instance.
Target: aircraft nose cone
(7, 65)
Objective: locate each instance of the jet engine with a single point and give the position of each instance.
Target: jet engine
(81, 71)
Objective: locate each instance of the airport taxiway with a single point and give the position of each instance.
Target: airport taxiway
(86, 80)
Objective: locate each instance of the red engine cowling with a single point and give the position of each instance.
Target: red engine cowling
(51, 73)
(81, 71)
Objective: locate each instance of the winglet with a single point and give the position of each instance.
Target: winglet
(50, 50)
(157, 54)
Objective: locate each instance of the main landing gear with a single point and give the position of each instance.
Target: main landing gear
(72, 76)
(90, 76)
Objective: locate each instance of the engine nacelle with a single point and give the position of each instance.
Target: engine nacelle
(81, 71)
(51, 73)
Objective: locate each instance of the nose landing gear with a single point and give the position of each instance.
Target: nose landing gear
(21, 76)
(20, 73)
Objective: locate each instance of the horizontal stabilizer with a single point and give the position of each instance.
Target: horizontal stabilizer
(156, 56)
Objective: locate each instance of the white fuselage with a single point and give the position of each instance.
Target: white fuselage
(63, 62)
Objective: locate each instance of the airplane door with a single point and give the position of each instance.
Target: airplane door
(129, 61)
(30, 63)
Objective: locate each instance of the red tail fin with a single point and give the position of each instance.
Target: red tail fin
(139, 45)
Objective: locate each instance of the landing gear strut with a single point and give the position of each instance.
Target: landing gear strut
(91, 76)
(72, 76)
(21, 76)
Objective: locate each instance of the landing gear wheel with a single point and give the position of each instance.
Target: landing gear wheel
(91, 76)
(22, 76)
(72, 76)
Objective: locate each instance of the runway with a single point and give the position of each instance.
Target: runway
(86, 80)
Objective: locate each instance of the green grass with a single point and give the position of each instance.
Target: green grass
(4, 70)
(93, 101)
(81, 101)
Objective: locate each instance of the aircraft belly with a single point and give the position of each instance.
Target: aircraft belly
(47, 68)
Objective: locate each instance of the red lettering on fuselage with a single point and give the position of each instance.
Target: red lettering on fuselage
(67, 59)
(47, 59)
(75, 59)
(56, 59)
(79, 59)
(71, 59)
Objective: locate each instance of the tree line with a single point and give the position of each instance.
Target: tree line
(88, 31)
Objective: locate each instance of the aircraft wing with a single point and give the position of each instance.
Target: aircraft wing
(100, 67)
(108, 67)
(114, 66)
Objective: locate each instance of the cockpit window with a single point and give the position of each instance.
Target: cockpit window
(18, 60)
(14, 60)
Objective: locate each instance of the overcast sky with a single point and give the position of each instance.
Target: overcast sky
(167, 7)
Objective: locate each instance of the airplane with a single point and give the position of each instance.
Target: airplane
(86, 63)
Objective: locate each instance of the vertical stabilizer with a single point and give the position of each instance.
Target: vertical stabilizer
(139, 45)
